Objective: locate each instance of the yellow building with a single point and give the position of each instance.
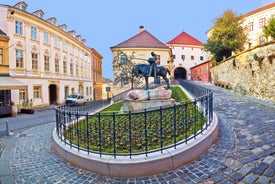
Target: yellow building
(97, 74)
(107, 88)
(50, 60)
(7, 83)
(140, 47)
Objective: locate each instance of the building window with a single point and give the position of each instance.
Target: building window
(18, 27)
(76, 70)
(22, 96)
(174, 56)
(40, 15)
(158, 60)
(46, 37)
(124, 80)
(34, 61)
(19, 59)
(123, 59)
(33, 32)
(71, 68)
(183, 57)
(64, 45)
(81, 71)
(1, 57)
(71, 49)
(250, 26)
(206, 70)
(192, 57)
(56, 64)
(37, 92)
(64, 66)
(87, 91)
(201, 58)
(262, 22)
(23, 8)
(46, 63)
(56, 41)
(261, 40)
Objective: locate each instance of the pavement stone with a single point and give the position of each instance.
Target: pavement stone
(243, 153)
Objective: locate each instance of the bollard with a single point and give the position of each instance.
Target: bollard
(7, 127)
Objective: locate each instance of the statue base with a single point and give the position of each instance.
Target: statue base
(138, 106)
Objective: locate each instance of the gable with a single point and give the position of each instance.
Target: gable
(185, 39)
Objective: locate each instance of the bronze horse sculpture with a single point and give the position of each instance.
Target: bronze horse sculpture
(141, 70)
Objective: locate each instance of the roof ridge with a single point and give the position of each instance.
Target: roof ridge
(142, 39)
(185, 39)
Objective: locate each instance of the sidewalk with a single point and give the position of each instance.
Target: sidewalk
(243, 153)
(41, 115)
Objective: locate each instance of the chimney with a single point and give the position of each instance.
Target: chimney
(141, 28)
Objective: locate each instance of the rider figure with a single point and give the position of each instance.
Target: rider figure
(152, 62)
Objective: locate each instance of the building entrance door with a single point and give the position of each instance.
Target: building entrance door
(52, 93)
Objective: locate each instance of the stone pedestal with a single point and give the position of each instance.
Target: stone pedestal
(138, 100)
(137, 106)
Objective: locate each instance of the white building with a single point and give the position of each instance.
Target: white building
(187, 52)
(52, 61)
(254, 22)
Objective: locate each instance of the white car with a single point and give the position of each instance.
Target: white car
(75, 99)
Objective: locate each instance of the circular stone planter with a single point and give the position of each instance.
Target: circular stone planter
(141, 165)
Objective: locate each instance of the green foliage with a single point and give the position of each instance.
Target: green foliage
(114, 107)
(104, 131)
(269, 29)
(227, 35)
(178, 94)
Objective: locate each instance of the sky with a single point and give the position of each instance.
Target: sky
(106, 23)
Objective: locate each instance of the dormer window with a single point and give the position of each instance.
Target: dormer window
(24, 8)
(39, 13)
(72, 33)
(63, 27)
(53, 21)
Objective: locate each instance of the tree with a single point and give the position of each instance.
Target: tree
(122, 65)
(227, 35)
(269, 29)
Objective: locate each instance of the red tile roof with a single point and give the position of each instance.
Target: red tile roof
(258, 10)
(141, 40)
(185, 39)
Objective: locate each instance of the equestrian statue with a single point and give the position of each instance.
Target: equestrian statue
(151, 70)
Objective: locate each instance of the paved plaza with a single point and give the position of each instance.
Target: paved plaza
(243, 153)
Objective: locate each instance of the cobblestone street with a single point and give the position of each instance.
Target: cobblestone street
(243, 153)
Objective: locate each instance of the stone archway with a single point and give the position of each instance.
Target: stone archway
(53, 94)
(180, 73)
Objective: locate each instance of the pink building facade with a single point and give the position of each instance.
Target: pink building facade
(201, 72)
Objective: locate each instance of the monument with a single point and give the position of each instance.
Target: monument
(139, 100)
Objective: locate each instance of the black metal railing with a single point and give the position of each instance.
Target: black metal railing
(129, 133)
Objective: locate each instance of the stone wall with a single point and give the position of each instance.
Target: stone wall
(249, 72)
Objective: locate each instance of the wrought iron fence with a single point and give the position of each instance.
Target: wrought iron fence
(129, 133)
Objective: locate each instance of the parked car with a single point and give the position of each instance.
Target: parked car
(75, 99)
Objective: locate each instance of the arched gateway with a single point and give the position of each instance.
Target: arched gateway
(180, 73)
